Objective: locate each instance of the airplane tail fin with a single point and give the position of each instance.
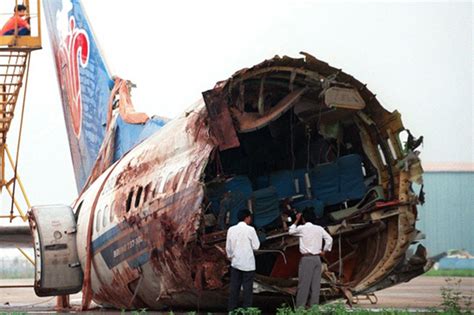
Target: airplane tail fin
(84, 79)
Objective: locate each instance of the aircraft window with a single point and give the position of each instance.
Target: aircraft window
(382, 156)
(139, 195)
(111, 218)
(106, 215)
(157, 187)
(178, 179)
(129, 201)
(168, 186)
(78, 210)
(392, 149)
(163, 183)
(97, 220)
(147, 192)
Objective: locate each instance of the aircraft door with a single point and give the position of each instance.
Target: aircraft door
(57, 267)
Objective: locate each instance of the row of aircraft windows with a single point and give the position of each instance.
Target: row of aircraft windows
(142, 194)
(105, 218)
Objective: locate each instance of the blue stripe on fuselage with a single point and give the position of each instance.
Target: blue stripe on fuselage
(108, 236)
(123, 249)
(140, 260)
(121, 241)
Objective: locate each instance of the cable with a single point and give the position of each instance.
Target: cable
(291, 143)
(340, 257)
(308, 133)
(27, 306)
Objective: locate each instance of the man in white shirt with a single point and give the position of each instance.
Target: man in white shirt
(309, 271)
(242, 240)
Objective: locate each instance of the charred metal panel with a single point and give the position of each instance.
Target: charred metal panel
(343, 98)
(335, 97)
(57, 268)
(249, 122)
(220, 121)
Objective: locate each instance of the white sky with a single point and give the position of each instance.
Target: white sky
(417, 58)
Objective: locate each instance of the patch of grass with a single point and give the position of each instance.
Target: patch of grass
(246, 311)
(338, 308)
(450, 273)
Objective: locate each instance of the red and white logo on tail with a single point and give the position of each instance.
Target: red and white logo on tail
(84, 80)
(73, 53)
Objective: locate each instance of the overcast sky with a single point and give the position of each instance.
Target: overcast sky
(417, 58)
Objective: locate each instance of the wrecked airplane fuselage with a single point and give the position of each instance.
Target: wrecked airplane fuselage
(279, 137)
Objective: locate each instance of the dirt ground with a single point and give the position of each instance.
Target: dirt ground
(420, 293)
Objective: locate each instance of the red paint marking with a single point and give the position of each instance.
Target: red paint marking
(74, 52)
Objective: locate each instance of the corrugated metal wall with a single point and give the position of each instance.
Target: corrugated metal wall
(447, 217)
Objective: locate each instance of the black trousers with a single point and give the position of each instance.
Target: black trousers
(239, 278)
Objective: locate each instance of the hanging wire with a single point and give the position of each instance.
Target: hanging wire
(292, 142)
(307, 179)
(137, 287)
(340, 257)
(308, 157)
(318, 125)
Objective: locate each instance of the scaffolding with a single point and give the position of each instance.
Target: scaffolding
(15, 54)
(13, 66)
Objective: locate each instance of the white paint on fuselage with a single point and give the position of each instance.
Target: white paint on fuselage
(174, 156)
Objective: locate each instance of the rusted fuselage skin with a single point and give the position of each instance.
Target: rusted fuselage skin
(147, 215)
(152, 245)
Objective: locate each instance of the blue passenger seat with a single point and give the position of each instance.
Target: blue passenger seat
(325, 183)
(283, 181)
(214, 193)
(266, 207)
(240, 188)
(262, 181)
(351, 178)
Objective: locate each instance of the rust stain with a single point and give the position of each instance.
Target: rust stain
(132, 171)
(222, 127)
(171, 220)
(118, 290)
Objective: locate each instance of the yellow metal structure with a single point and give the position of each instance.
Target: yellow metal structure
(8, 183)
(15, 54)
(13, 75)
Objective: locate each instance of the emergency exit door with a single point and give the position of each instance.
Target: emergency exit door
(57, 267)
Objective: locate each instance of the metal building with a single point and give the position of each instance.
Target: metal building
(447, 217)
